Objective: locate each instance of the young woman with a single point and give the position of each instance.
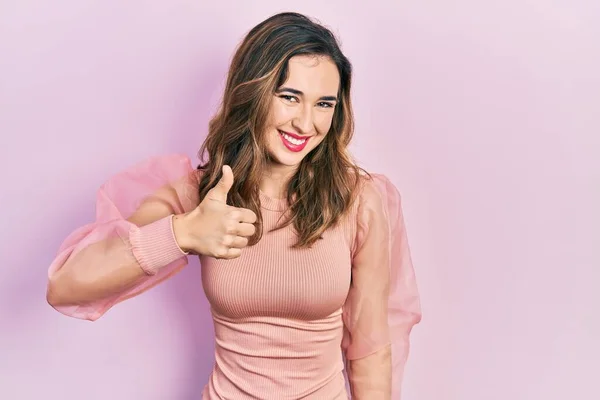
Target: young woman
(305, 258)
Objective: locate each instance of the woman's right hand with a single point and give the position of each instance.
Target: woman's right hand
(214, 228)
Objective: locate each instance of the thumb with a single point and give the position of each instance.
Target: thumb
(220, 191)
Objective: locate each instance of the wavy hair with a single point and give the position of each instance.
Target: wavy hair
(325, 184)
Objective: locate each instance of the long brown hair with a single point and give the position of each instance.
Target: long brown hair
(326, 182)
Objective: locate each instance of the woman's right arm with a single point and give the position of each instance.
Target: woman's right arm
(118, 263)
(148, 218)
(131, 245)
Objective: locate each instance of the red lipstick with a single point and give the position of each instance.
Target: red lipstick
(300, 141)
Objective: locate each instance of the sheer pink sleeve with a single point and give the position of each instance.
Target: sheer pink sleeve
(112, 240)
(383, 303)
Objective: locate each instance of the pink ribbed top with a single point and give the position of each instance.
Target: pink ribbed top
(278, 315)
(283, 317)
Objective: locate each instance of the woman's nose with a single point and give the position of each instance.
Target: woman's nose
(303, 120)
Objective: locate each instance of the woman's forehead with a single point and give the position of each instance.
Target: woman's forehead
(313, 75)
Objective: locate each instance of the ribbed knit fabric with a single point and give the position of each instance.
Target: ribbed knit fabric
(154, 245)
(278, 315)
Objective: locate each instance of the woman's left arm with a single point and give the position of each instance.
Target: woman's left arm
(383, 303)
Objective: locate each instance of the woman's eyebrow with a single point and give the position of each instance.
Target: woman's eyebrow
(299, 93)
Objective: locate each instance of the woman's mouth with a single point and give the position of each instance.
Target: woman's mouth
(293, 142)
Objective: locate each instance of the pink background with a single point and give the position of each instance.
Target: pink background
(486, 115)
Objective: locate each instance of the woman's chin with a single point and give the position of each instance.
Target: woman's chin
(290, 160)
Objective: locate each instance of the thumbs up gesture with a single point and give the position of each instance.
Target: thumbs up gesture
(214, 228)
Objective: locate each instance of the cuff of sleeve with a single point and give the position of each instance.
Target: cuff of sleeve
(154, 245)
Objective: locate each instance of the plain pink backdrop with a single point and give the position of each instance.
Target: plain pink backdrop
(485, 114)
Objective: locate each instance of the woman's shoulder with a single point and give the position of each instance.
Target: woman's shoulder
(377, 189)
(377, 206)
(378, 198)
(169, 176)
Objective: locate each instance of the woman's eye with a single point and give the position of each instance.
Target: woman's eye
(325, 104)
(289, 98)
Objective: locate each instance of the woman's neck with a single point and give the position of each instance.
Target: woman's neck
(275, 180)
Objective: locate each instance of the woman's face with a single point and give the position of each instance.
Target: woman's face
(302, 109)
